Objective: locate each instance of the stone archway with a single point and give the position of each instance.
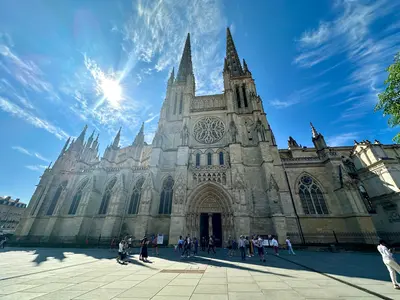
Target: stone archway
(209, 206)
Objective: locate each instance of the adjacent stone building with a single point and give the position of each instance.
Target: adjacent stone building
(11, 212)
(214, 168)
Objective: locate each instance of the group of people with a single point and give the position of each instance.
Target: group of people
(187, 246)
(248, 246)
(125, 246)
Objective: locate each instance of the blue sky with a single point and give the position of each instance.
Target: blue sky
(322, 61)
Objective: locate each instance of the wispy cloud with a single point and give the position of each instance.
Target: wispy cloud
(27, 152)
(308, 94)
(39, 168)
(152, 117)
(349, 36)
(342, 139)
(155, 34)
(32, 119)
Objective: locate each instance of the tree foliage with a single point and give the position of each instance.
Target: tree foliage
(389, 100)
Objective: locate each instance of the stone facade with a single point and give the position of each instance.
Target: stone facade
(11, 212)
(214, 168)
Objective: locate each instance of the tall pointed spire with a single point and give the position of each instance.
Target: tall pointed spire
(185, 66)
(90, 140)
(81, 137)
(245, 68)
(65, 146)
(96, 141)
(232, 56)
(139, 139)
(314, 131)
(171, 77)
(117, 138)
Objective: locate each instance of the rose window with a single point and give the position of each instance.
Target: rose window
(209, 130)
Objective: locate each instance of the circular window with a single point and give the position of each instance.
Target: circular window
(209, 130)
(307, 180)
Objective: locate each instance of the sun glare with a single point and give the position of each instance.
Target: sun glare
(112, 91)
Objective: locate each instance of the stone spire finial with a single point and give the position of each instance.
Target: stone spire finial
(90, 140)
(245, 68)
(314, 131)
(232, 56)
(185, 66)
(65, 146)
(139, 139)
(117, 138)
(171, 77)
(81, 137)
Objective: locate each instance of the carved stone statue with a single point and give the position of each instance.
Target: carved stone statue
(233, 131)
(185, 135)
(260, 130)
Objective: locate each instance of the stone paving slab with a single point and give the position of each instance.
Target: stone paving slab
(94, 274)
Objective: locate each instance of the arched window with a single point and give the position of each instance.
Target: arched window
(311, 197)
(106, 197)
(209, 159)
(166, 197)
(176, 102)
(221, 158)
(244, 95)
(53, 203)
(238, 96)
(198, 160)
(135, 198)
(181, 104)
(77, 199)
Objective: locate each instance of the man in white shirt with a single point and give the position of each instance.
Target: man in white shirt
(289, 246)
(390, 263)
(275, 245)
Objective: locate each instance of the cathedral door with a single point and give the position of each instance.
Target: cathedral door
(211, 224)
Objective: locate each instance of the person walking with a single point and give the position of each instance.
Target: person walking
(143, 249)
(242, 248)
(196, 246)
(275, 245)
(391, 264)
(203, 244)
(211, 245)
(260, 247)
(180, 244)
(121, 252)
(289, 246)
(155, 244)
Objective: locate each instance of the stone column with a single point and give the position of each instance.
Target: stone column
(210, 226)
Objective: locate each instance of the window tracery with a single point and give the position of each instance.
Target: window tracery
(311, 197)
(209, 130)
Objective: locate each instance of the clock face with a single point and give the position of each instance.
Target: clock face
(307, 180)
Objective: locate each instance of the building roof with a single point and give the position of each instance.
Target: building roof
(6, 200)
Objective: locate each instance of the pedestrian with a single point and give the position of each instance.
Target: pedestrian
(234, 247)
(260, 247)
(112, 244)
(196, 246)
(211, 245)
(121, 252)
(203, 243)
(180, 244)
(275, 245)
(391, 264)
(247, 243)
(251, 245)
(99, 241)
(289, 246)
(242, 248)
(155, 244)
(143, 249)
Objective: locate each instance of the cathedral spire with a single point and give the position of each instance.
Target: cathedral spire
(139, 139)
(232, 56)
(245, 68)
(81, 137)
(90, 140)
(117, 138)
(65, 146)
(171, 77)
(314, 131)
(96, 141)
(185, 66)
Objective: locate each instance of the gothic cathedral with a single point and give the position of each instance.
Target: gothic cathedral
(213, 168)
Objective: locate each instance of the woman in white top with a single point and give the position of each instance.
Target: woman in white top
(390, 263)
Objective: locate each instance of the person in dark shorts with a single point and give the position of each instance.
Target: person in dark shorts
(143, 249)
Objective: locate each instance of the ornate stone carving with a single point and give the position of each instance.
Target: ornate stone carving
(185, 135)
(210, 174)
(209, 130)
(208, 103)
(260, 130)
(233, 131)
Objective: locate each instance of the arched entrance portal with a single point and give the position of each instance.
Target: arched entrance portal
(209, 213)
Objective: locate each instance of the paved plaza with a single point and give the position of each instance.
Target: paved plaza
(94, 274)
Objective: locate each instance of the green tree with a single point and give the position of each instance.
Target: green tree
(389, 100)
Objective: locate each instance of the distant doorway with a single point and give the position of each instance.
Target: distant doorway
(211, 224)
